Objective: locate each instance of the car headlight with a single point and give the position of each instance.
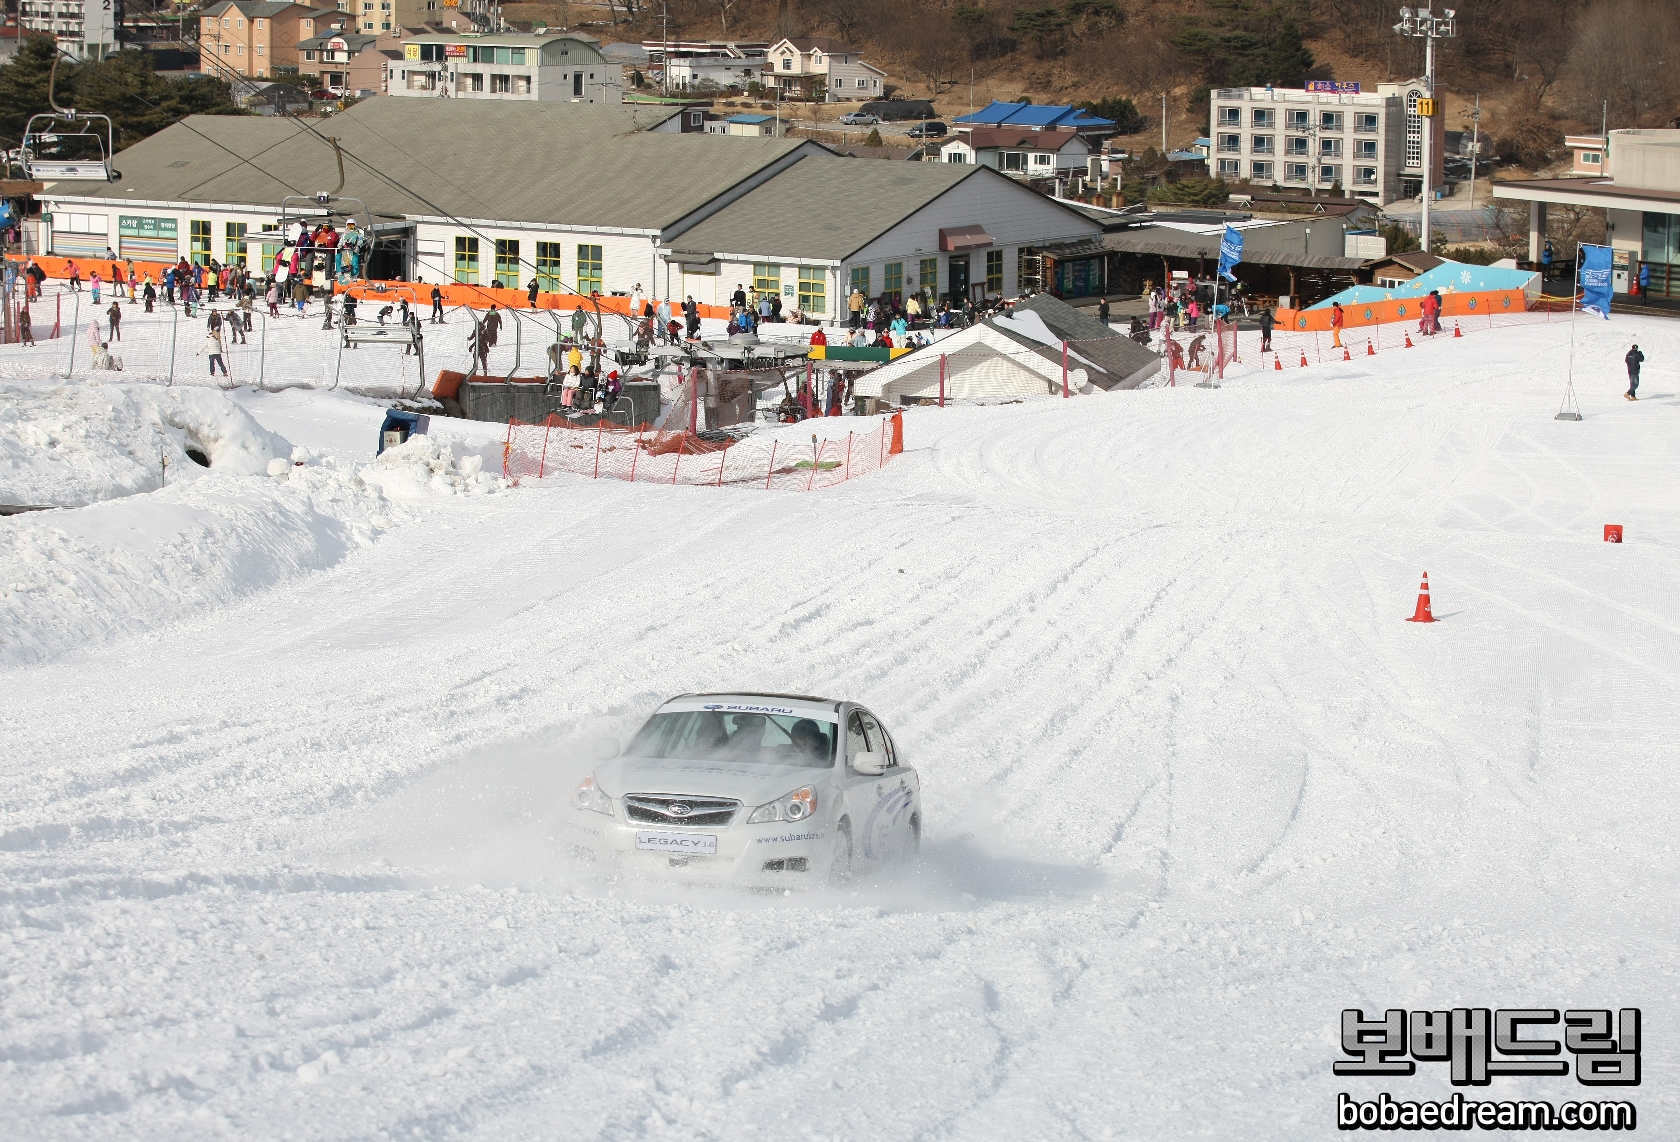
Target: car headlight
(588, 796)
(796, 806)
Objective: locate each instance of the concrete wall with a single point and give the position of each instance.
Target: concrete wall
(1645, 159)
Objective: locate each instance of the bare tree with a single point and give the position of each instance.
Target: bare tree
(1624, 62)
(931, 49)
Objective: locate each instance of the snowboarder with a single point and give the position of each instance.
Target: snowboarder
(1336, 320)
(1634, 359)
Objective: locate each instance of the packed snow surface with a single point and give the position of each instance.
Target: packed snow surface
(279, 858)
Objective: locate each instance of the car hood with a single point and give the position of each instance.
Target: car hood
(751, 784)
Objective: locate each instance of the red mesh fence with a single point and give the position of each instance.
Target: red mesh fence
(673, 455)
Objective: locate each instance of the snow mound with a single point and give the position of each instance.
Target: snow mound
(427, 466)
(73, 445)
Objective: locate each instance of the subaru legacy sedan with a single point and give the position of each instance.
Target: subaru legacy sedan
(761, 789)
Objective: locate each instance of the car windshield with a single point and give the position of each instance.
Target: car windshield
(712, 735)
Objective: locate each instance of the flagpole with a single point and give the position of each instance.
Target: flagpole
(1567, 412)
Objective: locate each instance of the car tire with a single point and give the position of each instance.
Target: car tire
(840, 866)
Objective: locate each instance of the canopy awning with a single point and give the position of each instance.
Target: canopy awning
(956, 239)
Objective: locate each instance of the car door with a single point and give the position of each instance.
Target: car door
(883, 826)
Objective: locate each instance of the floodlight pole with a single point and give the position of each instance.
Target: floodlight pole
(1423, 23)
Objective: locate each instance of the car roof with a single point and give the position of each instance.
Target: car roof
(836, 703)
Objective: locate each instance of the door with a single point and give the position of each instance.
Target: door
(959, 277)
(879, 806)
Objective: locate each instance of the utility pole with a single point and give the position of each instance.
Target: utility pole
(665, 49)
(1475, 145)
(1423, 23)
(1163, 122)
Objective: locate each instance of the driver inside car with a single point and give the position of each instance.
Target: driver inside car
(748, 738)
(809, 741)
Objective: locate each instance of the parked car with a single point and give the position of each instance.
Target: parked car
(322, 95)
(929, 130)
(859, 119)
(760, 789)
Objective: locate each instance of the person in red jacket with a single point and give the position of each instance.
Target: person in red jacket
(819, 337)
(1336, 320)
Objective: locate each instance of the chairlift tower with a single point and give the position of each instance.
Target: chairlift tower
(1424, 24)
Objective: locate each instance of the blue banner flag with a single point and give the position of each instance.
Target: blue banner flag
(1593, 280)
(1230, 252)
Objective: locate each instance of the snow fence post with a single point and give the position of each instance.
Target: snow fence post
(262, 356)
(542, 461)
(848, 474)
(507, 450)
(640, 428)
(770, 471)
(1064, 369)
(941, 380)
(682, 439)
(599, 426)
(58, 315)
(722, 456)
(816, 462)
(174, 324)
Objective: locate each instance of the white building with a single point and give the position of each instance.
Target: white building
(720, 71)
(507, 66)
(1020, 151)
(87, 29)
(1369, 143)
(581, 198)
(801, 67)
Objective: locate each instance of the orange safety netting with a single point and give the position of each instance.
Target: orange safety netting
(651, 455)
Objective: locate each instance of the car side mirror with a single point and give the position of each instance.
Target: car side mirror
(872, 764)
(604, 749)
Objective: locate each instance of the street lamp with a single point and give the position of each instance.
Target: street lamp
(1423, 23)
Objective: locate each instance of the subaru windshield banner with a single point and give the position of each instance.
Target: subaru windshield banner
(1595, 280)
(1230, 252)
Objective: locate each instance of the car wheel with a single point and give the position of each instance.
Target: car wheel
(840, 867)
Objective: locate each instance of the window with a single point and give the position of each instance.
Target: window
(431, 53)
(1261, 171)
(1264, 117)
(930, 276)
(466, 260)
(1294, 172)
(1229, 167)
(261, 25)
(994, 271)
(518, 54)
(813, 289)
(1043, 160)
(860, 280)
(1659, 238)
(507, 262)
(1364, 176)
(501, 84)
(1591, 158)
(892, 281)
(548, 267)
(270, 251)
(1365, 121)
(235, 243)
(955, 156)
(588, 269)
(1230, 144)
(1330, 121)
(1230, 116)
(522, 85)
(577, 84)
(226, 22)
(241, 50)
(1414, 131)
(1297, 120)
(199, 231)
(1329, 173)
(1365, 149)
(1330, 148)
(262, 49)
(474, 81)
(1014, 160)
(1260, 144)
(308, 55)
(1295, 146)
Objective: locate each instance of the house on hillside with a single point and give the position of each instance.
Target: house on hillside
(1020, 151)
(808, 68)
(1037, 117)
(754, 126)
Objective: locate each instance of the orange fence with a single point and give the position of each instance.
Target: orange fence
(1354, 316)
(648, 455)
(56, 267)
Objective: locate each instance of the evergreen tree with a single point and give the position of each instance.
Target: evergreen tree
(1290, 60)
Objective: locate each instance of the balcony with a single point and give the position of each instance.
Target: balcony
(1330, 148)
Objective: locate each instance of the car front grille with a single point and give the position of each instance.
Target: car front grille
(674, 809)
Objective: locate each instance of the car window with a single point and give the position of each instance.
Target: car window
(856, 740)
(879, 737)
(708, 735)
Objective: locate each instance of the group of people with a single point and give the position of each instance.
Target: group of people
(1179, 307)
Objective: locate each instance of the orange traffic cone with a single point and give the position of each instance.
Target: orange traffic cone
(1457, 332)
(1346, 356)
(1369, 351)
(1423, 614)
(1408, 340)
(1278, 361)
(1303, 358)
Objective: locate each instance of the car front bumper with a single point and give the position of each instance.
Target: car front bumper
(777, 854)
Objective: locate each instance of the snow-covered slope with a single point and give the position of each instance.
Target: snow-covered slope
(1193, 786)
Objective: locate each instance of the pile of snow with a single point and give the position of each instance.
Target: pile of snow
(428, 466)
(77, 444)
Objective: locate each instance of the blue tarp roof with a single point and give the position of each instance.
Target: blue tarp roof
(749, 119)
(1032, 115)
(1448, 277)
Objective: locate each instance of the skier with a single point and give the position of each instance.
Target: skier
(1267, 320)
(437, 306)
(1336, 320)
(1634, 359)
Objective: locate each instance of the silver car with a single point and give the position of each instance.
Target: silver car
(761, 789)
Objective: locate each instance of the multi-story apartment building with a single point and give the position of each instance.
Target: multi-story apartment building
(830, 68)
(87, 29)
(376, 17)
(1368, 143)
(350, 62)
(507, 65)
(258, 39)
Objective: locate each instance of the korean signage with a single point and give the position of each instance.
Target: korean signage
(1333, 86)
(1478, 1045)
(137, 226)
(451, 50)
(411, 51)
